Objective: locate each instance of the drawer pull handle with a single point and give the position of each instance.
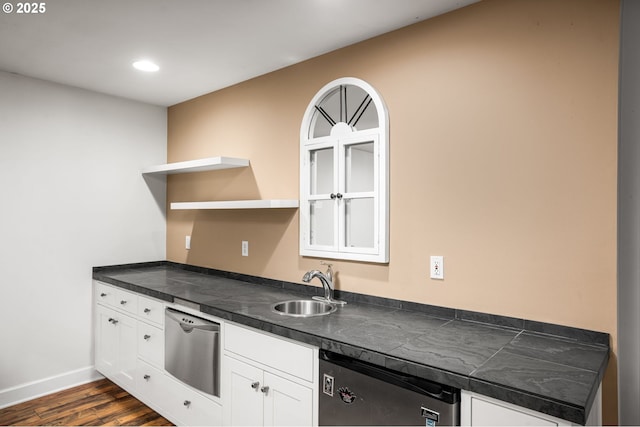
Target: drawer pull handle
(112, 320)
(147, 310)
(146, 377)
(187, 403)
(146, 337)
(103, 295)
(265, 389)
(255, 385)
(123, 302)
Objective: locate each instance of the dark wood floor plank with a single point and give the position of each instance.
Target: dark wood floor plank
(69, 408)
(16, 414)
(98, 403)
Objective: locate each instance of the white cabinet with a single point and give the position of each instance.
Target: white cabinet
(257, 397)
(186, 406)
(129, 350)
(287, 402)
(150, 341)
(268, 380)
(150, 310)
(116, 352)
(243, 398)
(479, 410)
(344, 185)
(174, 400)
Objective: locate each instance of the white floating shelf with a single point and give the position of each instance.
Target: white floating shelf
(237, 204)
(200, 165)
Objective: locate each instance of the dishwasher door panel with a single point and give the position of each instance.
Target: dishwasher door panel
(192, 351)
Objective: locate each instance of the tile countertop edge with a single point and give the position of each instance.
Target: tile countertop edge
(560, 409)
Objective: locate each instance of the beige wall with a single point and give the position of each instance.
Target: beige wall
(503, 159)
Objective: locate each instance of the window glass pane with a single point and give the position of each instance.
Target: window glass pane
(359, 171)
(360, 223)
(347, 104)
(361, 111)
(321, 216)
(321, 170)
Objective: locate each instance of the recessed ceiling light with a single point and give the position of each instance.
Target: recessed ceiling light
(145, 65)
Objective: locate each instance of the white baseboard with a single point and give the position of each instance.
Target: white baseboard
(28, 391)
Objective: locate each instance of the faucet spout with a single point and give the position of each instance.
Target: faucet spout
(327, 283)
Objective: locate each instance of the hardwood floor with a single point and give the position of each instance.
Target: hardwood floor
(100, 403)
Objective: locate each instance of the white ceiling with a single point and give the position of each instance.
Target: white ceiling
(200, 45)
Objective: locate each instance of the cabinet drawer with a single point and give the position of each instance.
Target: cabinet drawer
(126, 301)
(150, 310)
(151, 344)
(286, 356)
(104, 294)
(188, 407)
(151, 385)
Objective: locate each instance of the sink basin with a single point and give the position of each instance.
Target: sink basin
(303, 308)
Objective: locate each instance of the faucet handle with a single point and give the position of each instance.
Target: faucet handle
(329, 269)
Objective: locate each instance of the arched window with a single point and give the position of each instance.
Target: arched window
(344, 183)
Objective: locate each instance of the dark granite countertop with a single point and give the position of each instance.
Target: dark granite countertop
(547, 368)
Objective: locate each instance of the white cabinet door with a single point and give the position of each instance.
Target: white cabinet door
(106, 336)
(478, 410)
(255, 397)
(287, 403)
(116, 347)
(243, 404)
(127, 351)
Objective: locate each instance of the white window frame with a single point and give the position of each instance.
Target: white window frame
(379, 253)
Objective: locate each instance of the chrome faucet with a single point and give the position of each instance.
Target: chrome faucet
(327, 283)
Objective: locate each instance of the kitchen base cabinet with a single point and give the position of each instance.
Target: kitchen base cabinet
(129, 350)
(267, 380)
(255, 397)
(479, 410)
(116, 353)
(287, 403)
(243, 404)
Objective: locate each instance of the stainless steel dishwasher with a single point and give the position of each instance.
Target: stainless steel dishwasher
(191, 350)
(356, 393)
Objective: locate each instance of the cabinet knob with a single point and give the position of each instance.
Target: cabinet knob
(333, 196)
(112, 320)
(255, 385)
(147, 310)
(187, 403)
(146, 337)
(265, 389)
(339, 196)
(103, 295)
(123, 302)
(146, 377)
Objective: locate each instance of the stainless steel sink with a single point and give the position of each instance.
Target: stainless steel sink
(304, 308)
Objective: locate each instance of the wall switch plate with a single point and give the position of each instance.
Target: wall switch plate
(187, 242)
(245, 248)
(437, 267)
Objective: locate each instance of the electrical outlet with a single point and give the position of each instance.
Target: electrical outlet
(187, 242)
(245, 248)
(437, 267)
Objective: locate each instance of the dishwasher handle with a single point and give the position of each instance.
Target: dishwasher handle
(188, 323)
(437, 391)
